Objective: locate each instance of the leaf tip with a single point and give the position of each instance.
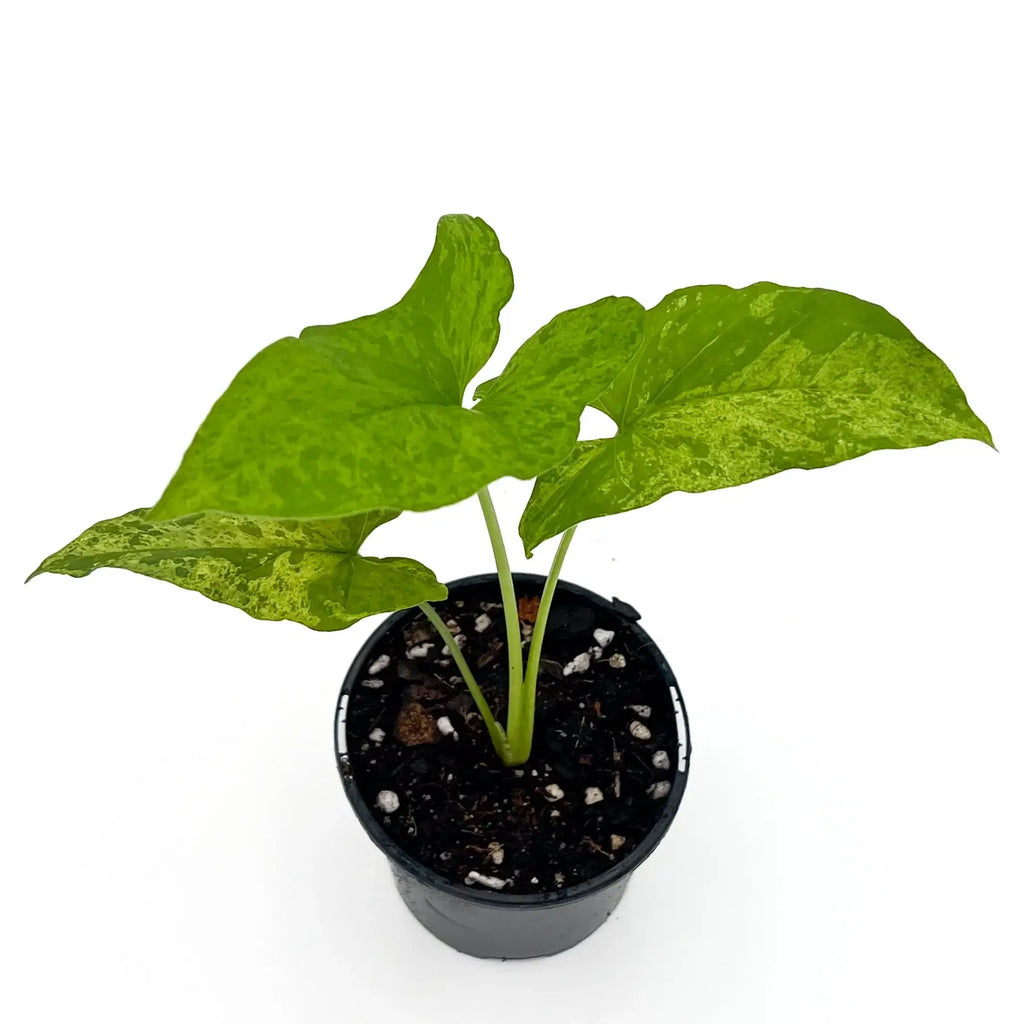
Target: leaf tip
(980, 432)
(529, 543)
(483, 388)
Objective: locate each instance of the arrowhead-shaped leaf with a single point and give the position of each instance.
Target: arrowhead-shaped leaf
(731, 385)
(308, 572)
(368, 414)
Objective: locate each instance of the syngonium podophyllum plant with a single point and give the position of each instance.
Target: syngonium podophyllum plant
(322, 438)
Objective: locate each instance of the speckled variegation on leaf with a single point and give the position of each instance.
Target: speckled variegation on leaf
(368, 413)
(731, 385)
(308, 572)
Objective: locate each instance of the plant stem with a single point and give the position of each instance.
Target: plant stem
(508, 601)
(520, 736)
(494, 730)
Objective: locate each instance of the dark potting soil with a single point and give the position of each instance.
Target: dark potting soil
(605, 748)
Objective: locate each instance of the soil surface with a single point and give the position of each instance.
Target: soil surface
(605, 749)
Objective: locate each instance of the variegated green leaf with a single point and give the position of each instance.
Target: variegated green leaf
(731, 385)
(537, 401)
(368, 414)
(308, 572)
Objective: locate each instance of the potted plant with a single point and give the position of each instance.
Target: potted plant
(515, 745)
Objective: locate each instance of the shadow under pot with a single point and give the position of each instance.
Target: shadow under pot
(513, 862)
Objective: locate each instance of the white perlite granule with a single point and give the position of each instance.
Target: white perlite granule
(617, 661)
(578, 665)
(377, 735)
(659, 790)
(379, 665)
(642, 710)
(554, 791)
(660, 759)
(387, 801)
(482, 622)
(604, 637)
(639, 731)
(488, 881)
(593, 795)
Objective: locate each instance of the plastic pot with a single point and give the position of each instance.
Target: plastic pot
(493, 924)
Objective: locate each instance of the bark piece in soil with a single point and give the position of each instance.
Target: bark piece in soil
(414, 725)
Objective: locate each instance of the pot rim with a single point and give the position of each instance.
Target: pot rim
(471, 894)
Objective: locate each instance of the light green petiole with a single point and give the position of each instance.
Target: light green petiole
(520, 735)
(508, 601)
(494, 730)
(513, 744)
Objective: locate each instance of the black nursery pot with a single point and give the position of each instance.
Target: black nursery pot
(494, 924)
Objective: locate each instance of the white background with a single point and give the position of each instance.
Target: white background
(185, 183)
